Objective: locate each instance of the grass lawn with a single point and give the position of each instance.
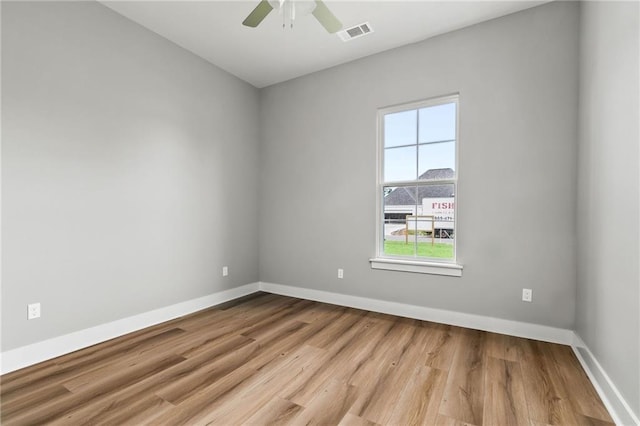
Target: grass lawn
(399, 248)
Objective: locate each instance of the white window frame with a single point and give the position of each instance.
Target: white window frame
(448, 267)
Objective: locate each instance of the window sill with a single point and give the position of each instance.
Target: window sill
(435, 268)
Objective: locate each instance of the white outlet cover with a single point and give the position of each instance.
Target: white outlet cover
(33, 310)
(340, 273)
(225, 271)
(527, 294)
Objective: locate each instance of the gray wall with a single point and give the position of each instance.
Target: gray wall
(608, 302)
(129, 170)
(518, 82)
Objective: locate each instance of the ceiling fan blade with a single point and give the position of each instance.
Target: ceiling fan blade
(258, 14)
(326, 18)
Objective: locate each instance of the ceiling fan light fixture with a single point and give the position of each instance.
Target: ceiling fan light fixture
(300, 7)
(293, 9)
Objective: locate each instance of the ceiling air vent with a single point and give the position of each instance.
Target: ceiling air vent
(355, 32)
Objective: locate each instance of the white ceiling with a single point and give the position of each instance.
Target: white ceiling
(270, 54)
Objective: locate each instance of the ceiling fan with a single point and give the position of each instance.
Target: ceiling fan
(292, 7)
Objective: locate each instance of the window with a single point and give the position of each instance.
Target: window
(417, 180)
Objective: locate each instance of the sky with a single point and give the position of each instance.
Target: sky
(419, 140)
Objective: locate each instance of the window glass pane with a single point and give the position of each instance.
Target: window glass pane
(437, 123)
(400, 164)
(399, 233)
(400, 128)
(419, 149)
(436, 160)
(435, 229)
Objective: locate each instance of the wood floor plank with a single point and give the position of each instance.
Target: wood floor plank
(342, 359)
(241, 316)
(330, 365)
(352, 420)
(266, 327)
(80, 362)
(278, 411)
(503, 347)
(240, 404)
(202, 376)
(200, 404)
(117, 412)
(269, 359)
(130, 397)
(287, 342)
(318, 312)
(444, 340)
(378, 405)
(327, 336)
(547, 397)
(448, 421)
(505, 402)
(329, 405)
(537, 423)
(590, 421)
(419, 401)
(384, 369)
(464, 393)
(257, 296)
(18, 378)
(191, 344)
(277, 331)
(396, 331)
(24, 403)
(583, 396)
(52, 410)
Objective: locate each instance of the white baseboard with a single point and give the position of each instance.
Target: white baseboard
(478, 322)
(611, 397)
(25, 356)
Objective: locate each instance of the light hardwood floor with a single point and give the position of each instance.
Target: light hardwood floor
(270, 359)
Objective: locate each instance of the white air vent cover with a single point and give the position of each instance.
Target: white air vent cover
(355, 32)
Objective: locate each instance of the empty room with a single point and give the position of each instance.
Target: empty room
(320, 212)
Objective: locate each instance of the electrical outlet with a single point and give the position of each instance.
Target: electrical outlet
(33, 311)
(225, 271)
(340, 273)
(527, 294)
